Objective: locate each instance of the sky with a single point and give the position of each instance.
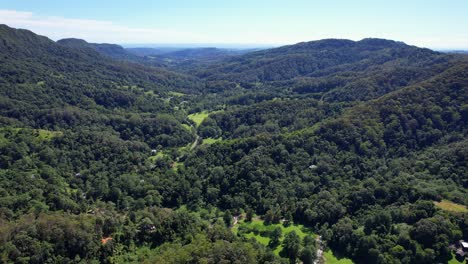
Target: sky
(436, 24)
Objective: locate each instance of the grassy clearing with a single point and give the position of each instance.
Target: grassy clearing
(330, 258)
(40, 135)
(258, 227)
(454, 260)
(260, 239)
(176, 94)
(158, 155)
(189, 128)
(176, 165)
(209, 141)
(451, 206)
(198, 117)
(150, 92)
(45, 135)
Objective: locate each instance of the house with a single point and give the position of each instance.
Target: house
(464, 245)
(461, 249)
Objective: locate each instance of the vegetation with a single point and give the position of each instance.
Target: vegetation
(198, 118)
(363, 143)
(451, 206)
(271, 235)
(331, 259)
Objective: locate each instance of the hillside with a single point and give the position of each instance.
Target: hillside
(378, 162)
(104, 159)
(111, 50)
(332, 69)
(203, 54)
(46, 85)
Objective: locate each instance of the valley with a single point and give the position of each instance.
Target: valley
(356, 150)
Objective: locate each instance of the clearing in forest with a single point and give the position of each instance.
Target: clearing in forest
(451, 206)
(259, 230)
(198, 117)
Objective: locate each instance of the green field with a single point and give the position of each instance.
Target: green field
(451, 206)
(43, 134)
(198, 117)
(158, 155)
(330, 258)
(40, 135)
(189, 128)
(176, 94)
(257, 226)
(209, 141)
(454, 260)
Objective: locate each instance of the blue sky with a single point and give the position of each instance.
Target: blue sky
(438, 24)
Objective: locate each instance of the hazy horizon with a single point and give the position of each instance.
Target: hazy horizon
(432, 24)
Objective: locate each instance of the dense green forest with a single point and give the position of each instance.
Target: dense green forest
(358, 149)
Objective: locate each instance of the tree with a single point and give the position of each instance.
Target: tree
(308, 241)
(291, 246)
(249, 215)
(307, 255)
(288, 219)
(227, 218)
(275, 237)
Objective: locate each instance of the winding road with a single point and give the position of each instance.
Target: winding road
(319, 255)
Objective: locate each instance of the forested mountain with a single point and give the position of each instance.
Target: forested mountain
(142, 52)
(104, 159)
(333, 69)
(203, 54)
(111, 50)
(179, 59)
(46, 85)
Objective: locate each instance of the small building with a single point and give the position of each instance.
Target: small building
(461, 250)
(463, 245)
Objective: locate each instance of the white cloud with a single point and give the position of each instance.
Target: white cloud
(111, 32)
(93, 30)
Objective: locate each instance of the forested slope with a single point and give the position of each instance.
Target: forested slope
(382, 159)
(334, 69)
(100, 161)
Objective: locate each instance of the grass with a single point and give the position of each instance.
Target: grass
(150, 92)
(40, 135)
(176, 94)
(45, 135)
(176, 165)
(209, 141)
(259, 227)
(159, 155)
(260, 239)
(198, 117)
(330, 258)
(451, 206)
(454, 260)
(189, 128)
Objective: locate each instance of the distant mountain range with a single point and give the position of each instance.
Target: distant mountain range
(334, 69)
